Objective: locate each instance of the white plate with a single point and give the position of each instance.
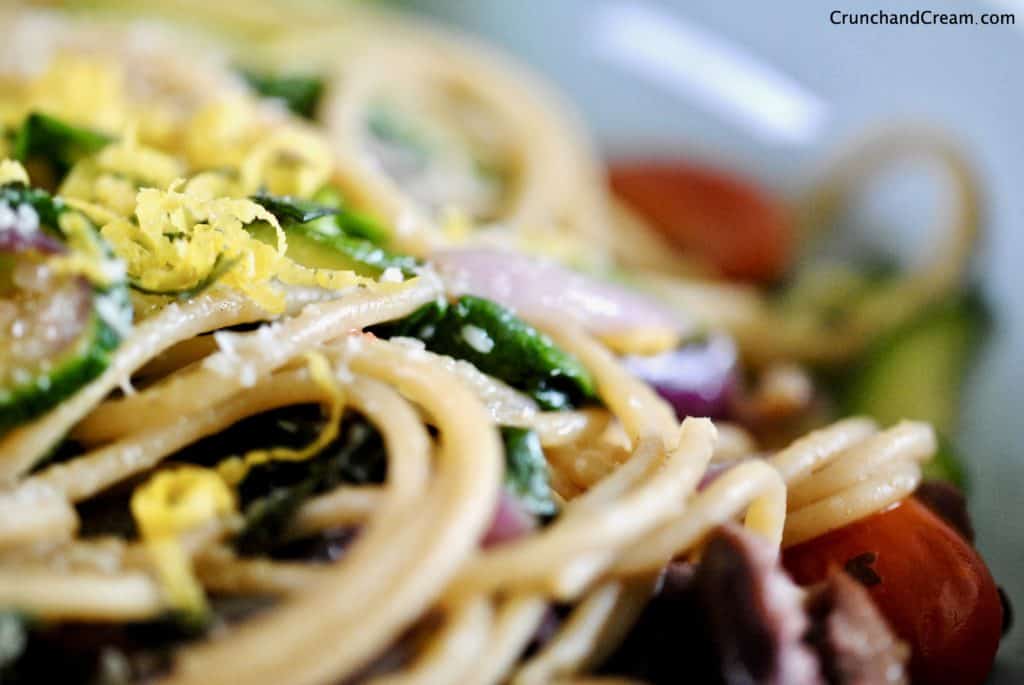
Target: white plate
(681, 76)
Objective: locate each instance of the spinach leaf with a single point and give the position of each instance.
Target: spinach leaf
(526, 471)
(316, 244)
(58, 143)
(271, 493)
(500, 344)
(300, 93)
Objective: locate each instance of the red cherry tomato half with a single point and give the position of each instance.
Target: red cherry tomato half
(931, 585)
(735, 225)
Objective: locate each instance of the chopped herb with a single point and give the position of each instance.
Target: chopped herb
(526, 471)
(859, 567)
(516, 353)
(300, 93)
(58, 143)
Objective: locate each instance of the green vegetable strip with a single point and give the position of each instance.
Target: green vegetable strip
(501, 345)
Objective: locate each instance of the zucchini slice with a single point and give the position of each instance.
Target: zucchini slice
(917, 372)
(57, 329)
(322, 234)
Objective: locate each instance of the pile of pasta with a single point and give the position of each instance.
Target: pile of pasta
(191, 146)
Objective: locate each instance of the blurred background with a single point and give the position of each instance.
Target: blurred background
(769, 89)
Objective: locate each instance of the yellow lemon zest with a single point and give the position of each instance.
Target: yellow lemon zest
(169, 504)
(12, 172)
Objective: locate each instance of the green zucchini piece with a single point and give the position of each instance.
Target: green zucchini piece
(917, 372)
(60, 333)
(315, 241)
(348, 221)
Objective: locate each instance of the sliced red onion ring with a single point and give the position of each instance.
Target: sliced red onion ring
(697, 379)
(541, 288)
(510, 521)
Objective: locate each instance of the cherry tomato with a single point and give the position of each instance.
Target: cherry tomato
(933, 588)
(735, 225)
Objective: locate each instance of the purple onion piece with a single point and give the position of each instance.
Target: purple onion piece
(540, 288)
(697, 379)
(715, 471)
(510, 521)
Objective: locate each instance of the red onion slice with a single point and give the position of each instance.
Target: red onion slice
(697, 379)
(543, 289)
(510, 521)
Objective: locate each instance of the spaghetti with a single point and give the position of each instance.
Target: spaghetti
(631, 481)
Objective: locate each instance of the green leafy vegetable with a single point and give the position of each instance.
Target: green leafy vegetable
(526, 471)
(42, 382)
(60, 144)
(301, 93)
(271, 493)
(500, 344)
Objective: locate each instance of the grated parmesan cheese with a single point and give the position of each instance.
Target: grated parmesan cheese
(477, 338)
